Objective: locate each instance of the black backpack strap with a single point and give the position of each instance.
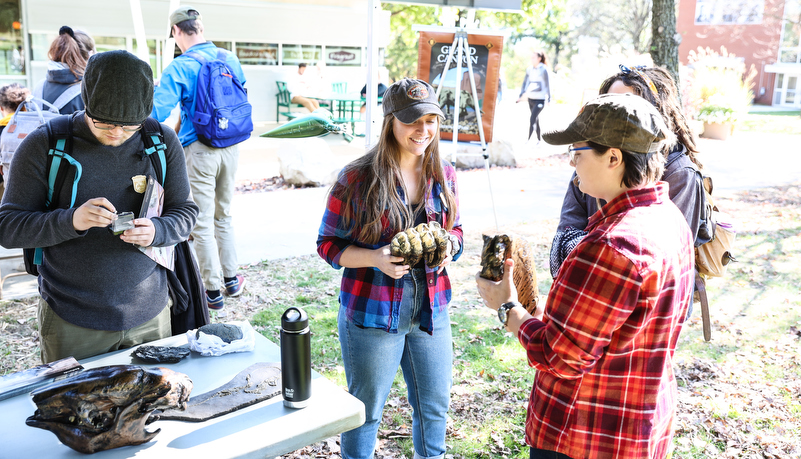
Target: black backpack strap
(153, 138)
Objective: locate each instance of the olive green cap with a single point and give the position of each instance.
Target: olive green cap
(623, 121)
(181, 14)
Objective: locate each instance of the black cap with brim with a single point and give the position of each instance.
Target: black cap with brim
(413, 113)
(408, 99)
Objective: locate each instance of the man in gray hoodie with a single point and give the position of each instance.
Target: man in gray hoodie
(99, 292)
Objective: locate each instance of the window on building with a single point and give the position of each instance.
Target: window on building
(343, 56)
(257, 53)
(12, 53)
(40, 44)
(109, 43)
(790, 95)
(788, 56)
(295, 54)
(153, 57)
(790, 48)
(223, 44)
(729, 11)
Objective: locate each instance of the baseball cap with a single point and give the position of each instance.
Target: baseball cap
(182, 14)
(409, 99)
(624, 121)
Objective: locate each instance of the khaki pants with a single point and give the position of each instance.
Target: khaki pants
(212, 173)
(59, 338)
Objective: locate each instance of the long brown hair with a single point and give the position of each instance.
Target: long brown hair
(666, 100)
(376, 199)
(73, 48)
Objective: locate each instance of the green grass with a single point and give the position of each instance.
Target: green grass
(775, 122)
(752, 309)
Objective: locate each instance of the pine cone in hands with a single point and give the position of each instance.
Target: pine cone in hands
(497, 249)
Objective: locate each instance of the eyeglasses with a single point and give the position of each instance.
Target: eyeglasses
(571, 152)
(109, 126)
(638, 70)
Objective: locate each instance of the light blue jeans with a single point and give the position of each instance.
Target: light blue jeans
(212, 173)
(371, 358)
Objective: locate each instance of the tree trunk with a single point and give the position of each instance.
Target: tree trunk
(557, 46)
(665, 41)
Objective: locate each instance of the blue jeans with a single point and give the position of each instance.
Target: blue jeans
(371, 358)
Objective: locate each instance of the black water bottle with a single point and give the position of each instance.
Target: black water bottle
(295, 358)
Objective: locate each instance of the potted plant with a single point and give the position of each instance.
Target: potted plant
(717, 91)
(718, 119)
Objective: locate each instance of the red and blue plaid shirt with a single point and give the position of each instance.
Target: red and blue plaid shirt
(605, 386)
(372, 299)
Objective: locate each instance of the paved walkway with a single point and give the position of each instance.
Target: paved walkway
(284, 223)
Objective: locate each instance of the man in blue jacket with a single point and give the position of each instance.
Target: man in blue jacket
(211, 170)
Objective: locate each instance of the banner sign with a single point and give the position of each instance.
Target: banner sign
(484, 53)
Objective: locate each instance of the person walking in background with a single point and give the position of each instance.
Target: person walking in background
(11, 96)
(603, 347)
(304, 83)
(212, 171)
(394, 315)
(657, 87)
(99, 293)
(536, 89)
(68, 55)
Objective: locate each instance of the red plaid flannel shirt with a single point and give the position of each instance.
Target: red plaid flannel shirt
(605, 386)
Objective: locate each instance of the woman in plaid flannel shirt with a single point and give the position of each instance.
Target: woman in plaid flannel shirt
(603, 347)
(395, 315)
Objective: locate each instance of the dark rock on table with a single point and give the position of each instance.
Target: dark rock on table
(161, 354)
(226, 332)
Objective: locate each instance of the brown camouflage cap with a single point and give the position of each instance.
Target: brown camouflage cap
(622, 121)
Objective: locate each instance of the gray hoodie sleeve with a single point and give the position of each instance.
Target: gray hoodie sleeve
(24, 219)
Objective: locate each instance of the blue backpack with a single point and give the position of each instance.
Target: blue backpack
(222, 111)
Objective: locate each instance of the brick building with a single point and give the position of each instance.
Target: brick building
(763, 33)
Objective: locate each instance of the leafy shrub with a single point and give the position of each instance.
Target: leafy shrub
(717, 86)
(716, 110)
